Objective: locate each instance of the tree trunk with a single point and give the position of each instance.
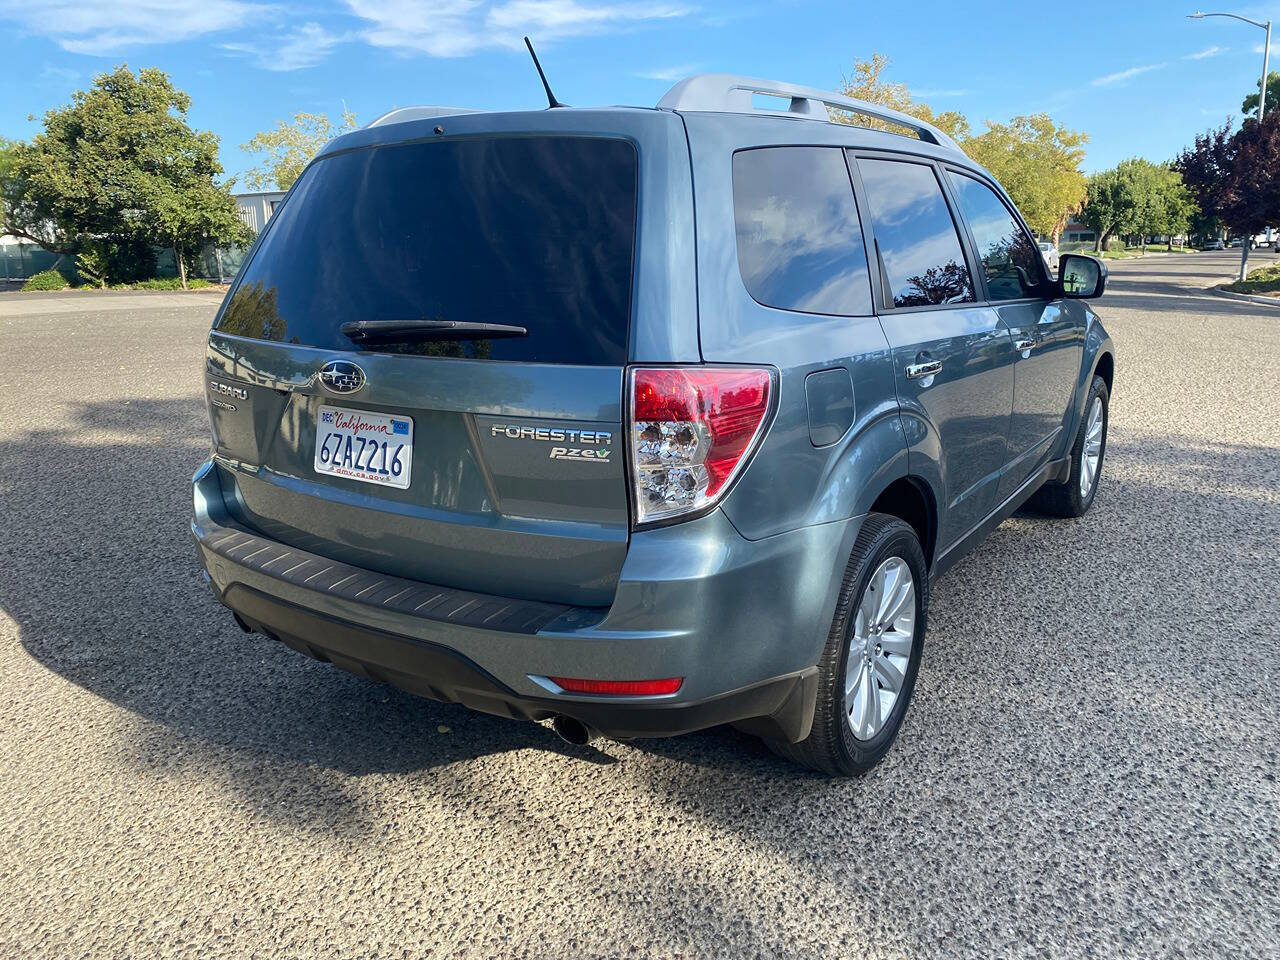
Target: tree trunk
(182, 266)
(1100, 240)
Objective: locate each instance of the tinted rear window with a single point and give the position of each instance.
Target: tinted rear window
(799, 237)
(532, 231)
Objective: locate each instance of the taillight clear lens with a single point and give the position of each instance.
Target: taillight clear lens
(692, 428)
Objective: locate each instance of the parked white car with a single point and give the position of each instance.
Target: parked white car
(1215, 245)
(1050, 254)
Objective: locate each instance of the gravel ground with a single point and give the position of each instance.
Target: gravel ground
(1088, 770)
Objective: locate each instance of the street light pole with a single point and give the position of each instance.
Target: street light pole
(1266, 50)
(1262, 103)
(1262, 90)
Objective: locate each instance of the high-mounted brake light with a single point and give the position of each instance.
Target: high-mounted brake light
(633, 688)
(692, 429)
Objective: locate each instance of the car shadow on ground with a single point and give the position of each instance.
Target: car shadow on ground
(101, 577)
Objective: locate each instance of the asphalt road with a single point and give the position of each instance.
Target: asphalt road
(1089, 768)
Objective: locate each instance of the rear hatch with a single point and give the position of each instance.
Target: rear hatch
(487, 462)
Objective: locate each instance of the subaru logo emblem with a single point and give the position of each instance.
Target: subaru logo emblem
(341, 376)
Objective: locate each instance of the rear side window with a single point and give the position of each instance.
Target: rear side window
(919, 248)
(532, 231)
(1010, 258)
(799, 239)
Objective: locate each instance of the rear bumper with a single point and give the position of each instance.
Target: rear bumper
(742, 621)
(780, 707)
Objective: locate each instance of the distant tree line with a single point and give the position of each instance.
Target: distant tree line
(1138, 198)
(1225, 180)
(1035, 159)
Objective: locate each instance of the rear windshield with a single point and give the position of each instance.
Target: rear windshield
(532, 231)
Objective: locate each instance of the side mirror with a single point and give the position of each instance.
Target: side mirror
(1081, 277)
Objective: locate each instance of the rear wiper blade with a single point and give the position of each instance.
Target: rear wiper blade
(406, 330)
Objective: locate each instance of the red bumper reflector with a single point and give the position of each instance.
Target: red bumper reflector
(632, 688)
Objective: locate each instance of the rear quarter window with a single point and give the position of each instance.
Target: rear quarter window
(922, 260)
(799, 238)
(536, 231)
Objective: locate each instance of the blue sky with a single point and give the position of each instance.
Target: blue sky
(1138, 77)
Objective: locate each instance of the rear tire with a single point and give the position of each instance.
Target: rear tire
(886, 553)
(1074, 497)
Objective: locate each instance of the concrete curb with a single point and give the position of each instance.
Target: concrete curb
(1245, 297)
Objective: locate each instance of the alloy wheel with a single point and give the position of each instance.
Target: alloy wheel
(880, 648)
(1092, 453)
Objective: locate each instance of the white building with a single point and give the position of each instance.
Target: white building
(255, 209)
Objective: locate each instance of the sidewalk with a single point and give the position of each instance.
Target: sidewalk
(43, 303)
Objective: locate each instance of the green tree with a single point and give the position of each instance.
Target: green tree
(1250, 104)
(289, 146)
(1171, 209)
(1038, 163)
(106, 171)
(1117, 200)
(8, 157)
(189, 212)
(868, 84)
(1035, 160)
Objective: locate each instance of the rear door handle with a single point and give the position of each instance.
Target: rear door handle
(1024, 345)
(917, 370)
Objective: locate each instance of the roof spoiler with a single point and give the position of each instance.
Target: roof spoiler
(405, 114)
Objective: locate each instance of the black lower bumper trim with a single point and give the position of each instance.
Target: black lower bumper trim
(781, 707)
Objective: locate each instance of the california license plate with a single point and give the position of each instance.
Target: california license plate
(369, 447)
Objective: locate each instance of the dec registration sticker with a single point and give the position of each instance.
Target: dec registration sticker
(364, 446)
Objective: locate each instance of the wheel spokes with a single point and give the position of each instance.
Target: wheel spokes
(1091, 454)
(871, 710)
(888, 674)
(902, 603)
(880, 647)
(898, 642)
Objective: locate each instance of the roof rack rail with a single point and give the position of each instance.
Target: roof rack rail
(726, 93)
(404, 114)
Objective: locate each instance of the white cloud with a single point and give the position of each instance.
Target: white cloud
(670, 74)
(457, 28)
(304, 46)
(553, 19)
(1275, 48)
(1206, 52)
(1111, 79)
(105, 27)
(449, 28)
(62, 75)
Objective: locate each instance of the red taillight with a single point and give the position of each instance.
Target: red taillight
(691, 429)
(632, 688)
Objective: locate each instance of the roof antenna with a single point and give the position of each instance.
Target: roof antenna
(552, 102)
